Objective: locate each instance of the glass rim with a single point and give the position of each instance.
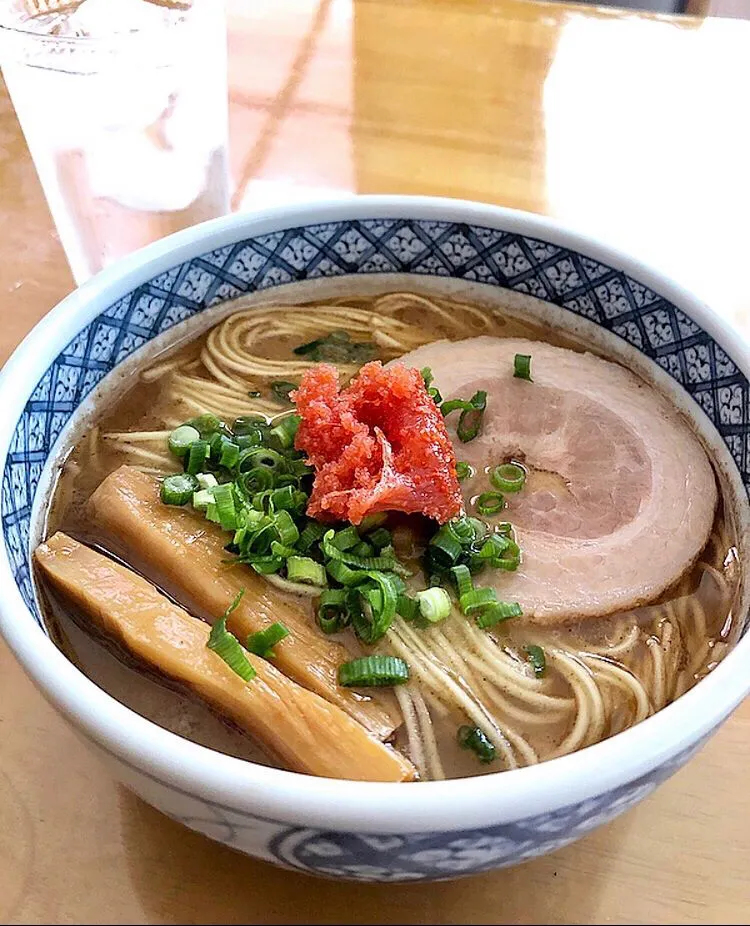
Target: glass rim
(32, 36)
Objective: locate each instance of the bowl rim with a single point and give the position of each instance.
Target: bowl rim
(293, 798)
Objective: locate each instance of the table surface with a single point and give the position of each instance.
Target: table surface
(632, 128)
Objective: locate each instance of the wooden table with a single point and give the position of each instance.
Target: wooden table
(630, 127)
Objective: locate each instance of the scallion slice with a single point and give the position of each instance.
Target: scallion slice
(522, 367)
(537, 659)
(463, 470)
(407, 607)
(498, 612)
(508, 477)
(266, 565)
(477, 599)
(181, 438)
(256, 480)
(462, 578)
(344, 574)
(470, 422)
(346, 539)
(230, 453)
(285, 431)
(225, 506)
(373, 671)
(202, 499)
(207, 480)
(444, 547)
(263, 642)
(381, 537)
(333, 610)
(474, 739)
(490, 503)
(311, 534)
(306, 571)
(196, 457)
(227, 646)
(281, 390)
(207, 424)
(378, 598)
(262, 457)
(178, 489)
(434, 604)
(453, 405)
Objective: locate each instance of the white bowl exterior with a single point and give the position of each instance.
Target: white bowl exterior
(167, 770)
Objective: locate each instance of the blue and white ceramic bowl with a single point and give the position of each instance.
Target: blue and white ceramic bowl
(369, 832)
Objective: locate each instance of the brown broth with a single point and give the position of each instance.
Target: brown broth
(148, 405)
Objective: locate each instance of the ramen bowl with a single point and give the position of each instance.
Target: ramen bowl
(363, 831)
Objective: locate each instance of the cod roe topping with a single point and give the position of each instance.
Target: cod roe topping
(380, 444)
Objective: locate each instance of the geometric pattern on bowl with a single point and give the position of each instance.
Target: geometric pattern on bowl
(572, 281)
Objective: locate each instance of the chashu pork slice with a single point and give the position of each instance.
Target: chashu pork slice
(304, 731)
(183, 553)
(621, 495)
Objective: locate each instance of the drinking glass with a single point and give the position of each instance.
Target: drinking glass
(124, 107)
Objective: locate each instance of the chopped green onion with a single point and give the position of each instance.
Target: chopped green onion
(227, 646)
(178, 489)
(371, 521)
(427, 376)
(508, 477)
(434, 604)
(344, 574)
(249, 424)
(387, 559)
(311, 534)
(207, 425)
(501, 611)
(380, 538)
(463, 529)
(477, 599)
(285, 431)
(260, 456)
(407, 607)
(211, 513)
(230, 453)
(286, 528)
(378, 608)
(181, 438)
(537, 659)
(202, 499)
(346, 539)
(444, 546)
(522, 367)
(510, 559)
(306, 571)
(278, 549)
(363, 548)
(197, 456)
(373, 671)
(490, 503)
(266, 565)
(225, 506)
(474, 739)
(333, 610)
(254, 394)
(207, 480)
(452, 405)
(263, 641)
(463, 470)
(281, 390)
(471, 418)
(434, 394)
(462, 578)
(256, 480)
